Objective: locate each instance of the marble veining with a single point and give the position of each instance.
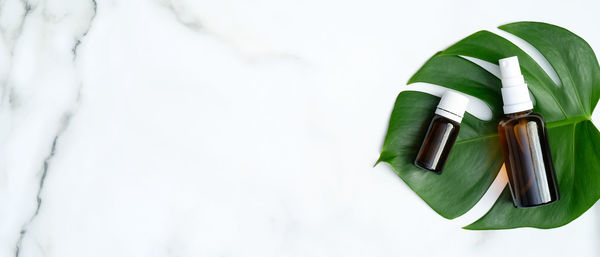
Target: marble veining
(11, 36)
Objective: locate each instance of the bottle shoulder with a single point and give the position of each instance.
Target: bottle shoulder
(531, 116)
(441, 119)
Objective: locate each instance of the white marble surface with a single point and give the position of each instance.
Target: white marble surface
(233, 128)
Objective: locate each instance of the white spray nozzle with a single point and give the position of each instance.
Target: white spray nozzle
(515, 94)
(511, 72)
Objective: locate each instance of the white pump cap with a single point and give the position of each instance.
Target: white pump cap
(515, 94)
(452, 106)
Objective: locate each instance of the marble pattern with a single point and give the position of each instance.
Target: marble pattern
(233, 128)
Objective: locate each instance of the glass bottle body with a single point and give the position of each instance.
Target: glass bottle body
(438, 142)
(528, 160)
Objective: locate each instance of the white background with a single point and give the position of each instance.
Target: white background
(235, 128)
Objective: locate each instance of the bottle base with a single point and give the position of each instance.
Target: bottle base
(429, 168)
(535, 205)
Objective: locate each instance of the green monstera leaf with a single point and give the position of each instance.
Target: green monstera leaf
(476, 157)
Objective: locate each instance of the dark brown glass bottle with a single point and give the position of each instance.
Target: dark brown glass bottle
(438, 142)
(442, 132)
(528, 160)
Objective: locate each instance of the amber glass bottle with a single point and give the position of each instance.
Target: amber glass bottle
(527, 156)
(442, 132)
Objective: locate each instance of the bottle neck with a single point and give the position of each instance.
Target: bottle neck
(519, 114)
(516, 99)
